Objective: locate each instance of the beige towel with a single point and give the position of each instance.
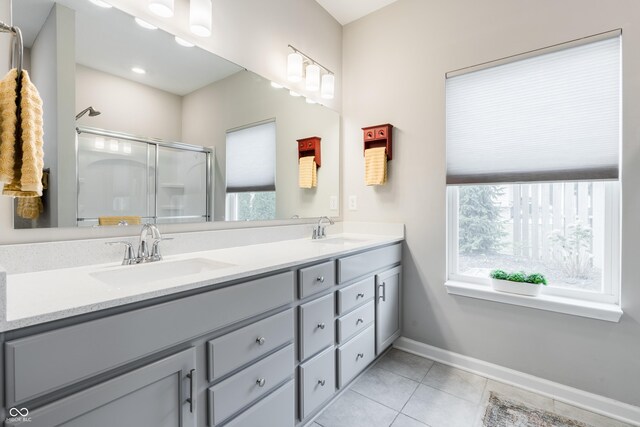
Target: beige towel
(32, 207)
(307, 172)
(21, 174)
(116, 220)
(375, 166)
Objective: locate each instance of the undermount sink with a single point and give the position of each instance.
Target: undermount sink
(154, 271)
(340, 240)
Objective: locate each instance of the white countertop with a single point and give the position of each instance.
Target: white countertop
(39, 297)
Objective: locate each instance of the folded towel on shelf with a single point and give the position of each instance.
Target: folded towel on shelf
(307, 172)
(118, 220)
(21, 136)
(375, 166)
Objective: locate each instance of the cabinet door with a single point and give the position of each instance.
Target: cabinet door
(156, 395)
(388, 296)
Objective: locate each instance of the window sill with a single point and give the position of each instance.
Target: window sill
(594, 310)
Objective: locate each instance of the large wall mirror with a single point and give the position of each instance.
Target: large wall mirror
(143, 127)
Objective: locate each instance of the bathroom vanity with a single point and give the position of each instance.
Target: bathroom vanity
(270, 348)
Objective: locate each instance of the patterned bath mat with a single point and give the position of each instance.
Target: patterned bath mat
(503, 412)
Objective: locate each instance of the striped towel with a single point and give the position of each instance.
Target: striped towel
(307, 172)
(375, 166)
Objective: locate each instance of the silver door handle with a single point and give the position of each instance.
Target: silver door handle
(191, 399)
(360, 355)
(261, 382)
(359, 296)
(321, 325)
(321, 383)
(320, 279)
(383, 297)
(359, 321)
(260, 340)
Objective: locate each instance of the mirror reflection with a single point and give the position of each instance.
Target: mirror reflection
(141, 128)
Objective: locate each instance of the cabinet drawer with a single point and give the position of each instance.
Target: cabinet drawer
(238, 391)
(317, 278)
(358, 265)
(276, 410)
(316, 326)
(355, 295)
(354, 322)
(317, 381)
(237, 348)
(355, 355)
(42, 363)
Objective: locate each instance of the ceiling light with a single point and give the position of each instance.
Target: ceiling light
(183, 42)
(312, 81)
(328, 86)
(145, 24)
(310, 101)
(101, 3)
(293, 93)
(138, 70)
(163, 8)
(294, 67)
(200, 17)
(276, 85)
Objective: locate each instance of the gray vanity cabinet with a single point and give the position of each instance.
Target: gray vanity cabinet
(388, 297)
(158, 394)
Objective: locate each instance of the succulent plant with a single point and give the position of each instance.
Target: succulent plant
(499, 274)
(519, 276)
(536, 279)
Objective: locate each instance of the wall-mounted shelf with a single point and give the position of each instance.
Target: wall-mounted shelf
(310, 147)
(379, 136)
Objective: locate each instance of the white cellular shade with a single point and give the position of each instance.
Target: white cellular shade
(251, 158)
(550, 117)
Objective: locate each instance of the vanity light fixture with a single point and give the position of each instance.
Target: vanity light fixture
(101, 3)
(138, 70)
(294, 67)
(328, 86)
(294, 93)
(163, 8)
(318, 76)
(145, 24)
(183, 42)
(312, 80)
(276, 85)
(200, 12)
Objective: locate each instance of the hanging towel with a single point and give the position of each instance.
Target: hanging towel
(32, 207)
(21, 137)
(117, 220)
(375, 166)
(307, 172)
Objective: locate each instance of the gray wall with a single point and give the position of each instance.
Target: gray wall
(418, 42)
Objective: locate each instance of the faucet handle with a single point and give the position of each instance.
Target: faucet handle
(129, 257)
(155, 249)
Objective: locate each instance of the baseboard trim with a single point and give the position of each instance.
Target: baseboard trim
(592, 402)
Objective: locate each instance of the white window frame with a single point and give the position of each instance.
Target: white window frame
(611, 268)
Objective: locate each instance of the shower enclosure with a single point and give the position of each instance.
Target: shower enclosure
(121, 175)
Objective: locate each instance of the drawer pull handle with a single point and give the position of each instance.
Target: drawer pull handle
(191, 400)
(359, 296)
(383, 296)
(360, 355)
(321, 383)
(320, 279)
(260, 340)
(359, 321)
(261, 382)
(321, 325)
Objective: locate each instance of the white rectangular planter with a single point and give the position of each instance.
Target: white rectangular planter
(520, 288)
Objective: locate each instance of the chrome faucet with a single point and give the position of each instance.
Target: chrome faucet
(143, 246)
(319, 230)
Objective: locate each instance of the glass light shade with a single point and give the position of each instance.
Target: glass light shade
(183, 42)
(294, 67)
(162, 8)
(328, 86)
(200, 12)
(145, 24)
(313, 78)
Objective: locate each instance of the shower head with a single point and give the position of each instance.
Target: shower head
(90, 110)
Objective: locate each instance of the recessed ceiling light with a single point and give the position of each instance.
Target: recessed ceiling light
(183, 42)
(138, 70)
(145, 24)
(294, 93)
(101, 3)
(276, 85)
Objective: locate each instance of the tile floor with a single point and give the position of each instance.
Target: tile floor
(405, 390)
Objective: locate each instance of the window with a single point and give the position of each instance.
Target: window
(250, 180)
(532, 169)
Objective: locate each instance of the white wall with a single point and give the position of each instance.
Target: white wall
(420, 41)
(155, 113)
(246, 98)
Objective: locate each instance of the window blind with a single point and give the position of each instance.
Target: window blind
(555, 116)
(251, 158)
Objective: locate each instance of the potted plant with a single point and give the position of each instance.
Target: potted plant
(518, 282)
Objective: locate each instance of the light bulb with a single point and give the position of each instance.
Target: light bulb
(328, 86)
(312, 81)
(294, 67)
(163, 8)
(200, 17)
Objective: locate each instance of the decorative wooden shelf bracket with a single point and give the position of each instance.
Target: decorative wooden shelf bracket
(379, 136)
(310, 147)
